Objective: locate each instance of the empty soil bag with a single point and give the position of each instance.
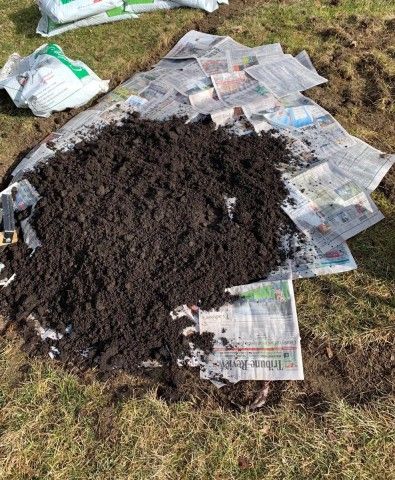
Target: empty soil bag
(64, 11)
(47, 81)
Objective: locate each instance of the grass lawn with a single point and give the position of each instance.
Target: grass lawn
(339, 422)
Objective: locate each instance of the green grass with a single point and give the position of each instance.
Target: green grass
(56, 425)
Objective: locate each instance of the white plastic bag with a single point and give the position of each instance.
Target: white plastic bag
(47, 81)
(64, 11)
(141, 6)
(48, 28)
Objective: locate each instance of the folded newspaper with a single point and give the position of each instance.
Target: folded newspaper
(256, 337)
(59, 16)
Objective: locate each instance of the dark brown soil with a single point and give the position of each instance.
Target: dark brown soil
(133, 224)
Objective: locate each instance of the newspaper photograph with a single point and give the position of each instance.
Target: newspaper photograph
(213, 66)
(256, 337)
(237, 88)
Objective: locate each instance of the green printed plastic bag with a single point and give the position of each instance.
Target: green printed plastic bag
(64, 11)
(47, 81)
(48, 28)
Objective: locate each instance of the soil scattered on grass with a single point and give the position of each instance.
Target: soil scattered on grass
(135, 223)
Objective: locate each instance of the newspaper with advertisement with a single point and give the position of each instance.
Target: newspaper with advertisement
(256, 337)
(237, 88)
(329, 207)
(241, 59)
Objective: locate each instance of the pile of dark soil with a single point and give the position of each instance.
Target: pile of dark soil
(135, 223)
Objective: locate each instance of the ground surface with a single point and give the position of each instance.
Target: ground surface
(339, 423)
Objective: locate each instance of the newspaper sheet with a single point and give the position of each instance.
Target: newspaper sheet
(140, 81)
(225, 44)
(213, 66)
(225, 117)
(174, 64)
(256, 337)
(329, 207)
(302, 118)
(304, 58)
(169, 105)
(188, 84)
(285, 75)
(154, 91)
(365, 164)
(194, 45)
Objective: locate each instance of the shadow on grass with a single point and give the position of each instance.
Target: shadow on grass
(26, 20)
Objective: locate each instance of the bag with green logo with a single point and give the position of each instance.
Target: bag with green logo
(47, 81)
(48, 28)
(64, 11)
